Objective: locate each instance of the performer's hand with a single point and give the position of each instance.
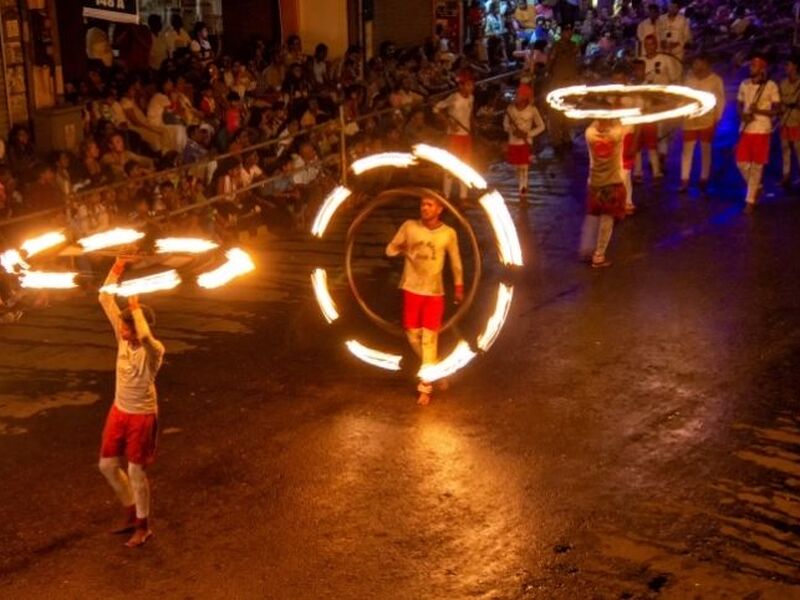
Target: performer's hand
(459, 295)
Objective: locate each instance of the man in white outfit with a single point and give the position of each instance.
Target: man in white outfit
(701, 128)
(424, 244)
(456, 110)
(673, 31)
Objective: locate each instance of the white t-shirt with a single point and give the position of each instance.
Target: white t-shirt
(460, 109)
(674, 30)
(424, 251)
(661, 69)
(156, 107)
(528, 120)
(790, 94)
(645, 28)
(714, 85)
(748, 90)
(136, 378)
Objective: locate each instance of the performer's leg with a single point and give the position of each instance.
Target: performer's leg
(141, 494)
(462, 190)
(786, 152)
(686, 161)
(628, 183)
(448, 185)
(754, 182)
(797, 152)
(655, 162)
(588, 237)
(604, 230)
(637, 165)
(415, 340)
(705, 164)
(430, 343)
(117, 479)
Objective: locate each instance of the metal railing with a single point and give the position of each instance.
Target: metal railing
(339, 158)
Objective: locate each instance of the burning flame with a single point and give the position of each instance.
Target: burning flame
(495, 323)
(319, 281)
(107, 239)
(386, 159)
(238, 263)
(503, 226)
(457, 360)
(11, 260)
(43, 242)
(699, 103)
(184, 245)
(329, 206)
(47, 281)
(166, 280)
(390, 362)
(450, 163)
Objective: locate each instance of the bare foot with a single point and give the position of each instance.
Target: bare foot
(139, 537)
(424, 399)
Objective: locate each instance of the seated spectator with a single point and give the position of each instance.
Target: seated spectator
(160, 114)
(21, 153)
(136, 121)
(43, 192)
(118, 156)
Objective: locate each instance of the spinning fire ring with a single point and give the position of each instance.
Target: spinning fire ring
(507, 242)
(571, 101)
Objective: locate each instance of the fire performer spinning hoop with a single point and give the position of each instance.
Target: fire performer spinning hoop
(590, 102)
(507, 242)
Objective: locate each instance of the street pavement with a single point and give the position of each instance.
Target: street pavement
(634, 433)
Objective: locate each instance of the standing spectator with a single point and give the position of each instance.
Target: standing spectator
(133, 42)
(647, 27)
(673, 31)
(98, 46)
(564, 60)
(200, 46)
(176, 36)
(319, 66)
(525, 20)
(294, 51)
(159, 48)
(21, 153)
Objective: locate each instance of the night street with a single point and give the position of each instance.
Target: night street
(633, 434)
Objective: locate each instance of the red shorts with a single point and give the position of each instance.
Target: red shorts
(705, 136)
(790, 134)
(131, 436)
(461, 146)
(648, 136)
(607, 200)
(753, 148)
(422, 312)
(518, 154)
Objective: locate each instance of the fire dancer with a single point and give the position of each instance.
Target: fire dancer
(523, 123)
(456, 110)
(424, 243)
(606, 193)
(132, 423)
(758, 101)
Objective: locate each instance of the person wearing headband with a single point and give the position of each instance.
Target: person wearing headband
(522, 122)
(758, 100)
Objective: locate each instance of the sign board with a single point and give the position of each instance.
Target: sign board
(118, 11)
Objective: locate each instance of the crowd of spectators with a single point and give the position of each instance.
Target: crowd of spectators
(156, 97)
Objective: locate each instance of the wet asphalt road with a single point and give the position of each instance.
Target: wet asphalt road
(634, 433)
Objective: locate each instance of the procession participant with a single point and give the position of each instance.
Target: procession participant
(758, 100)
(564, 59)
(790, 119)
(673, 31)
(606, 192)
(424, 243)
(522, 122)
(702, 128)
(132, 424)
(660, 69)
(629, 135)
(647, 27)
(456, 110)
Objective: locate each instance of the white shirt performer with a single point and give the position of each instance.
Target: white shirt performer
(523, 122)
(424, 244)
(758, 102)
(456, 109)
(790, 117)
(673, 31)
(701, 128)
(132, 423)
(647, 27)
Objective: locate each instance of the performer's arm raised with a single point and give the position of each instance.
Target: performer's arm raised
(107, 301)
(152, 346)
